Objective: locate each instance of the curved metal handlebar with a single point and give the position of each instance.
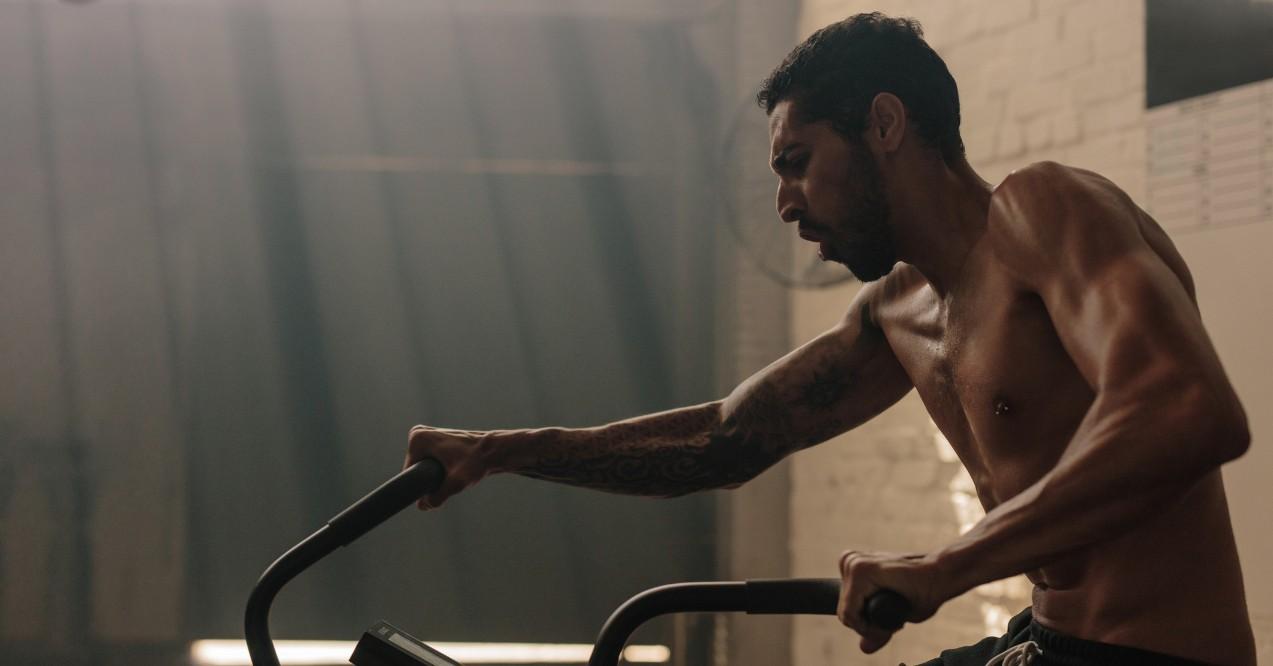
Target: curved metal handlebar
(376, 507)
(814, 596)
(809, 596)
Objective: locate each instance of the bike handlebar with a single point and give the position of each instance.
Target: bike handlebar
(374, 508)
(807, 596)
(814, 596)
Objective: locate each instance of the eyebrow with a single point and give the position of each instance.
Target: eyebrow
(779, 161)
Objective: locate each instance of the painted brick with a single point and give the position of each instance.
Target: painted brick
(1041, 33)
(996, 77)
(1107, 78)
(1125, 111)
(1004, 14)
(1010, 142)
(966, 60)
(915, 474)
(1030, 98)
(1111, 41)
(1065, 126)
(1038, 132)
(965, 24)
(1071, 53)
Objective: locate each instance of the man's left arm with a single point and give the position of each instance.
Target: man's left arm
(1164, 414)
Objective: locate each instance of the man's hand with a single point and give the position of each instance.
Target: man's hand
(914, 577)
(464, 455)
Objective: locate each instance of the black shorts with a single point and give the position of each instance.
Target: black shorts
(1055, 649)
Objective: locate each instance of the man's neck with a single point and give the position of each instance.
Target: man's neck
(938, 213)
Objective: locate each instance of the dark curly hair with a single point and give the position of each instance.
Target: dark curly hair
(838, 70)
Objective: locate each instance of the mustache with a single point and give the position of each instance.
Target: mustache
(807, 225)
(847, 235)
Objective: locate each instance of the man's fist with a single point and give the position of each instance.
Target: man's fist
(863, 574)
(464, 454)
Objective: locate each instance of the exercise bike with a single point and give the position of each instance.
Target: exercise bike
(385, 645)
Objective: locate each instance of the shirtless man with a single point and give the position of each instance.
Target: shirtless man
(1050, 328)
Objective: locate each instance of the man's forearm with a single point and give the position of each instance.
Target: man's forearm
(664, 455)
(1038, 527)
(1123, 468)
(798, 401)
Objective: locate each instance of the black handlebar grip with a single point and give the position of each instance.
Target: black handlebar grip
(392, 496)
(886, 609)
(812, 596)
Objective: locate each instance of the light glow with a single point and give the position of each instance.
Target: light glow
(996, 597)
(995, 618)
(335, 653)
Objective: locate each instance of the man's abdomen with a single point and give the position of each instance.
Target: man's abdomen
(1172, 585)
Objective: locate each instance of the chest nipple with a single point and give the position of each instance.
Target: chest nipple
(1001, 407)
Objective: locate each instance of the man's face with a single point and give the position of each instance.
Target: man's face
(832, 189)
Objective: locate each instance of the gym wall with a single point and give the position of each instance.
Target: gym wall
(1059, 80)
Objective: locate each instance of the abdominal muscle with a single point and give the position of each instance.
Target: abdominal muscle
(1171, 585)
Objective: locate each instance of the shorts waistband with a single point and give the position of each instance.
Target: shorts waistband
(1063, 650)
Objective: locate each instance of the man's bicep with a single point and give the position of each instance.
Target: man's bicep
(1121, 311)
(830, 384)
(1128, 320)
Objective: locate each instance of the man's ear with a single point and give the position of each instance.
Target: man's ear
(886, 122)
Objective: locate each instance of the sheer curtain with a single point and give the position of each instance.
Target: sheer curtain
(244, 246)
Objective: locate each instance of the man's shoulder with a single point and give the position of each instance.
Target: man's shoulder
(885, 296)
(1046, 209)
(1048, 193)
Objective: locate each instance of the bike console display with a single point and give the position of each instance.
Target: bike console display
(387, 645)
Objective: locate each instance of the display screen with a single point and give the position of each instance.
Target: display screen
(386, 645)
(409, 646)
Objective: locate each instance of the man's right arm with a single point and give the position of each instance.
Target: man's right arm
(827, 386)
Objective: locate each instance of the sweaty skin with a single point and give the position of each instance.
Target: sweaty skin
(1051, 330)
(1097, 501)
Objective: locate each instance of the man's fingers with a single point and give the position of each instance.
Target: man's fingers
(430, 502)
(874, 640)
(452, 484)
(413, 444)
(857, 572)
(845, 557)
(456, 451)
(854, 575)
(437, 498)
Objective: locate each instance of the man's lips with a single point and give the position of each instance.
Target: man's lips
(809, 236)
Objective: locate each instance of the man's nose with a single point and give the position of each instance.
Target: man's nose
(790, 204)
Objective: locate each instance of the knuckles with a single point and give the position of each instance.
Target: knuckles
(846, 560)
(854, 564)
(417, 438)
(423, 440)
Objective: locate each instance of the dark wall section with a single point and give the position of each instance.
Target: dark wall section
(1194, 47)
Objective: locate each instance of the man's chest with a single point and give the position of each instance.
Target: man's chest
(993, 374)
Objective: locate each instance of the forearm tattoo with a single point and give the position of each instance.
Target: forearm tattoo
(826, 389)
(683, 451)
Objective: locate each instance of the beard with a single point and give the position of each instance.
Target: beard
(863, 240)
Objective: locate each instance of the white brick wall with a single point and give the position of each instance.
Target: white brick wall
(1039, 79)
